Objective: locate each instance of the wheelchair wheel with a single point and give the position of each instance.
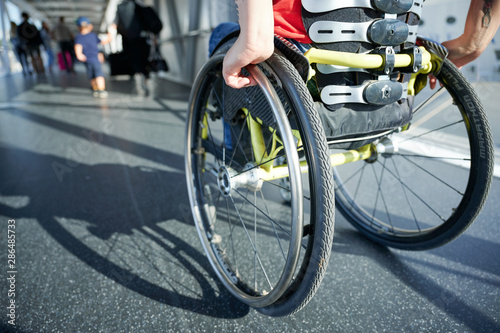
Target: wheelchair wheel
(425, 186)
(269, 250)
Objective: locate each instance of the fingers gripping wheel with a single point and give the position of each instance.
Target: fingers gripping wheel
(235, 164)
(423, 187)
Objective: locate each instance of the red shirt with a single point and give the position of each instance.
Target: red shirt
(288, 20)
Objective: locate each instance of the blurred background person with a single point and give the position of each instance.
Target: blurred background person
(19, 49)
(32, 39)
(87, 51)
(136, 42)
(62, 34)
(47, 44)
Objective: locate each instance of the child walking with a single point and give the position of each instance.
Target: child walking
(87, 51)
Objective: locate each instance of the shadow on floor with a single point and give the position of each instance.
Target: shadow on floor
(110, 200)
(350, 241)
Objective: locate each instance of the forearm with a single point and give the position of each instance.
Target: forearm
(79, 53)
(256, 24)
(255, 42)
(478, 33)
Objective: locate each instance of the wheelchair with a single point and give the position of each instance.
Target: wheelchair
(264, 178)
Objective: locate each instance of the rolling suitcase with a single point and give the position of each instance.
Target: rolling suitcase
(60, 61)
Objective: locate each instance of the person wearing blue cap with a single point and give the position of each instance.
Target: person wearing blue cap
(87, 51)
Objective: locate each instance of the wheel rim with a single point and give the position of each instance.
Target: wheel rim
(237, 221)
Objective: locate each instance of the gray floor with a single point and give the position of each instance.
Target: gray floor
(105, 241)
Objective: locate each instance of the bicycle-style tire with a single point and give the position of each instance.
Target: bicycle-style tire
(248, 262)
(428, 191)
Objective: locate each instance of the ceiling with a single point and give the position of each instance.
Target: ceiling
(51, 10)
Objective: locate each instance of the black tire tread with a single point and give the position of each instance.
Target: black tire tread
(324, 227)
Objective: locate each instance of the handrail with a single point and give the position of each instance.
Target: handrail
(189, 34)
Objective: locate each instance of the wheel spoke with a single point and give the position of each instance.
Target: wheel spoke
(286, 189)
(255, 240)
(214, 219)
(434, 157)
(267, 216)
(433, 176)
(213, 143)
(269, 141)
(432, 131)
(272, 224)
(244, 202)
(429, 100)
(360, 179)
(417, 196)
(434, 111)
(256, 254)
(347, 180)
(406, 196)
(268, 161)
(258, 165)
(379, 190)
(243, 128)
(231, 239)
(214, 91)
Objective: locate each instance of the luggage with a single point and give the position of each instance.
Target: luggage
(156, 62)
(149, 19)
(60, 60)
(120, 64)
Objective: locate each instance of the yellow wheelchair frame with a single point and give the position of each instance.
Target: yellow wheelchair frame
(266, 170)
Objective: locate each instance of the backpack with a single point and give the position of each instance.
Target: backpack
(129, 24)
(29, 33)
(149, 19)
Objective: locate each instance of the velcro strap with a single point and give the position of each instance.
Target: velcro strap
(330, 31)
(412, 34)
(389, 32)
(387, 6)
(381, 92)
(334, 94)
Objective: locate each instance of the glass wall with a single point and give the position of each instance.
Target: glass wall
(4, 40)
(10, 13)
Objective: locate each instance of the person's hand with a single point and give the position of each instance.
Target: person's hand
(108, 39)
(458, 53)
(254, 44)
(240, 55)
(432, 81)
(81, 57)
